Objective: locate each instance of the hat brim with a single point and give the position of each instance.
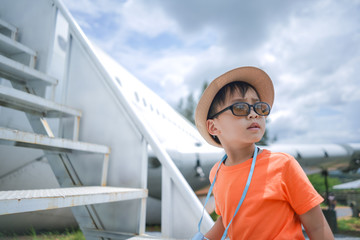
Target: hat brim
(252, 75)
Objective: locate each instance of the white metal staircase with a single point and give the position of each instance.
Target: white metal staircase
(40, 92)
(27, 94)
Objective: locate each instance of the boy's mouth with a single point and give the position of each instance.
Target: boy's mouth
(254, 126)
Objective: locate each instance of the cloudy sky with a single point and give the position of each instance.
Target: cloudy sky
(311, 50)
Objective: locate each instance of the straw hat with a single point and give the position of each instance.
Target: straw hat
(252, 75)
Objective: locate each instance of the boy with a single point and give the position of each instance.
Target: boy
(231, 114)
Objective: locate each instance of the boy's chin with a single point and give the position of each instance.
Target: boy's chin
(256, 139)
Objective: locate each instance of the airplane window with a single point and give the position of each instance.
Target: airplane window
(144, 102)
(136, 96)
(118, 81)
(151, 107)
(157, 111)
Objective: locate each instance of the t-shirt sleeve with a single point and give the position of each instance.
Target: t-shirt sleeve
(298, 189)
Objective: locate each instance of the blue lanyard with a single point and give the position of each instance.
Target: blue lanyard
(243, 194)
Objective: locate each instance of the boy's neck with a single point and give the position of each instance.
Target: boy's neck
(239, 155)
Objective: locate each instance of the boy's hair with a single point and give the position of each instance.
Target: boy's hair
(228, 90)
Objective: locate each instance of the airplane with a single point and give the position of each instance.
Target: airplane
(105, 92)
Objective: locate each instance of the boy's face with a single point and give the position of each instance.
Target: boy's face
(234, 130)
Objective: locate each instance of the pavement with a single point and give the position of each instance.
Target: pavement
(343, 212)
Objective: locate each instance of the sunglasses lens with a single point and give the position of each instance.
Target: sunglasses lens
(262, 109)
(241, 109)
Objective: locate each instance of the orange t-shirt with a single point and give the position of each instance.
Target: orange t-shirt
(279, 191)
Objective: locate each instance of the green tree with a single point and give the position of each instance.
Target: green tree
(190, 108)
(186, 106)
(205, 85)
(180, 106)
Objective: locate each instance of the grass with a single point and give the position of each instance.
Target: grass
(349, 226)
(74, 234)
(214, 216)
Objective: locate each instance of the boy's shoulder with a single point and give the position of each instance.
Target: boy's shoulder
(283, 161)
(278, 159)
(280, 155)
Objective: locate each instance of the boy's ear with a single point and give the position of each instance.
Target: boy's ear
(211, 128)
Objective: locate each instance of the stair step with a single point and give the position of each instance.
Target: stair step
(45, 199)
(12, 29)
(11, 48)
(32, 140)
(20, 72)
(10, 97)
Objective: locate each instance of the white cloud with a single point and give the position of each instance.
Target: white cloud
(309, 48)
(314, 72)
(145, 19)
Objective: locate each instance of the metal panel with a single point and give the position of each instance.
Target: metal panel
(45, 199)
(26, 139)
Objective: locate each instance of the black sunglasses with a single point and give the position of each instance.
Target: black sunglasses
(243, 109)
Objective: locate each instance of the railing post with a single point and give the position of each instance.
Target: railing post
(105, 170)
(144, 178)
(166, 206)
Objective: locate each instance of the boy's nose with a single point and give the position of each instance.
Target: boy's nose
(252, 114)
